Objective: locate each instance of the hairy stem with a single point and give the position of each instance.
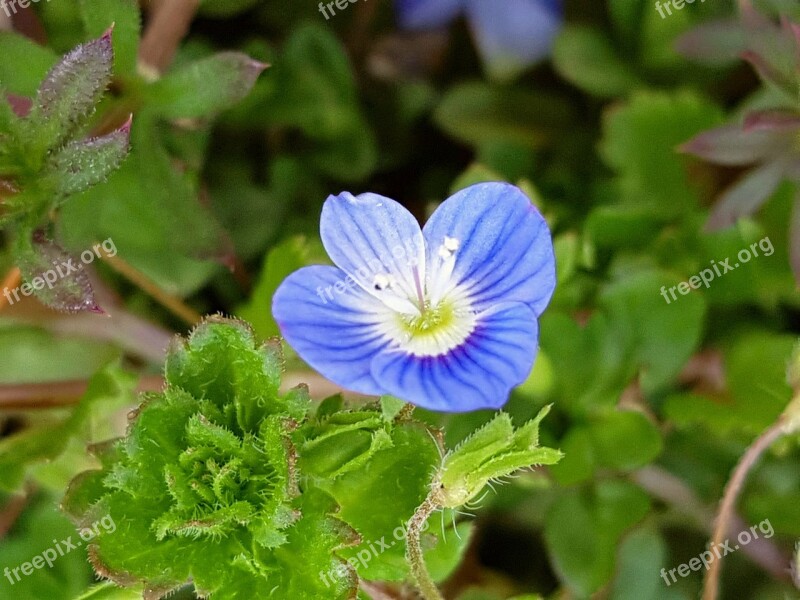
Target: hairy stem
(730, 495)
(414, 555)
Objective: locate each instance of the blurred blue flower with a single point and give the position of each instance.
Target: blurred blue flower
(511, 35)
(444, 317)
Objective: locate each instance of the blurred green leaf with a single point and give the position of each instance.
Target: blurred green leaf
(476, 113)
(186, 93)
(282, 261)
(585, 57)
(25, 63)
(582, 530)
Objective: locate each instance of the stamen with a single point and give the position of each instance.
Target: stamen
(420, 293)
(381, 282)
(449, 247)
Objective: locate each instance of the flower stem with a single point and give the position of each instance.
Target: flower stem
(414, 556)
(786, 424)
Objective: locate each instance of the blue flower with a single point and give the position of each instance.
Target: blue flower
(511, 35)
(444, 317)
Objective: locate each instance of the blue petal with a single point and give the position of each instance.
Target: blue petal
(497, 356)
(427, 14)
(370, 235)
(505, 252)
(516, 36)
(332, 330)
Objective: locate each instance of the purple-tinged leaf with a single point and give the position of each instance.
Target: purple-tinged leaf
(84, 163)
(794, 239)
(206, 87)
(747, 195)
(772, 120)
(57, 279)
(732, 145)
(72, 88)
(719, 43)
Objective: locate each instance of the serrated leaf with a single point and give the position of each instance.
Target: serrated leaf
(71, 90)
(186, 93)
(82, 164)
(204, 487)
(494, 451)
(394, 483)
(58, 279)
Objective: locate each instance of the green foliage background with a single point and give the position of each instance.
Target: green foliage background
(653, 403)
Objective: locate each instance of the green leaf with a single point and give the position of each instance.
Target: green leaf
(84, 163)
(660, 336)
(71, 91)
(124, 15)
(109, 591)
(583, 527)
(639, 142)
(108, 390)
(186, 93)
(641, 554)
(32, 535)
(393, 483)
(58, 279)
(152, 212)
(34, 355)
(585, 57)
(477, 113)
(283, 260)
(314, 86)
(205, 485)
(493, 452)
(25, 63)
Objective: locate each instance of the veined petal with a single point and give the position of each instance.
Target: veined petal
(333, 331)
(515, 36)
(497, 356)
(502, 249)
(379, 243)
(427, 14)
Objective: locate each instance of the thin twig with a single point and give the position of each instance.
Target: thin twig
(674, 492)
(169, 24)
(375, 591)
(172, 303)
(11, 512)
(731, 494)
(12, 280)
(57, 394)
